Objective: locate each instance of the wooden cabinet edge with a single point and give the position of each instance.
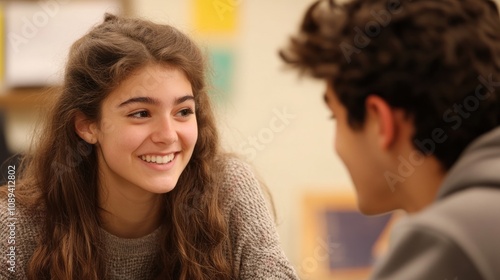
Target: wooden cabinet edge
(27, 98)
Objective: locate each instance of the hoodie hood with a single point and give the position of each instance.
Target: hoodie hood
(478, 166)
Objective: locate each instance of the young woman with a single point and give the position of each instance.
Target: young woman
(127, 180)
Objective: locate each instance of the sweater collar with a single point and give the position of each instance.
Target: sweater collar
(145, 245)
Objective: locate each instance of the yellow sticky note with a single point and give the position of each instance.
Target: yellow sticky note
(215, 16)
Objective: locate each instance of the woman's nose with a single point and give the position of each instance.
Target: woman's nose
(164, 131)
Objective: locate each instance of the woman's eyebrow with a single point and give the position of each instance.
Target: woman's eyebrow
(147, 100)
(153, 101)
(183, 99)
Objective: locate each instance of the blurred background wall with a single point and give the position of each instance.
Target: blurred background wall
(270, 116)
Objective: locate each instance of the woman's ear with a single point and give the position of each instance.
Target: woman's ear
(85, 128)
(383, 114)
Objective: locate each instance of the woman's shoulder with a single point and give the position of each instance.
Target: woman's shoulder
(234, 165)
(16, 214)
(19, 232)
(241, 186)
(238, 175)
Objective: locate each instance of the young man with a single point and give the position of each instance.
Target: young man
(415, 89)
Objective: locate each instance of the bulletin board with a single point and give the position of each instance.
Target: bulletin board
(338, 242)
(217, 24)
(39, 34)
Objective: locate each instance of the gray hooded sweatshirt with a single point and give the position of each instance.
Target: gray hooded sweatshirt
(458, 236)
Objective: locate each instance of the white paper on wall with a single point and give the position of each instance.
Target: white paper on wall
(38, 36)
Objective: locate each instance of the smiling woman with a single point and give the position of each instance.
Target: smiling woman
(129, 181)
(153, 135)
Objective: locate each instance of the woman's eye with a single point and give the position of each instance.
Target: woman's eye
(140, 114)
(186, 112)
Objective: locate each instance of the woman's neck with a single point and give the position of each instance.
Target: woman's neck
(129, 213)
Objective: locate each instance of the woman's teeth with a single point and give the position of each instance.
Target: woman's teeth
(158, 159)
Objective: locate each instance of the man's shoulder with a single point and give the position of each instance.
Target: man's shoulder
(475, 206)
(458, 227)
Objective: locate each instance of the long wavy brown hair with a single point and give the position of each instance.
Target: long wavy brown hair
(60, 175)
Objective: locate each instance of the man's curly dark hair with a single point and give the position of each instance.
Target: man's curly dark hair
(439, 60)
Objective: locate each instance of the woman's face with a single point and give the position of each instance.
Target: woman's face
(147, 131)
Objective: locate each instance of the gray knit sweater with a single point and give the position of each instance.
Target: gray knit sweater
(256, 252)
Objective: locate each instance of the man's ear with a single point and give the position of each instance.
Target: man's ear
(85, 128)
(383, 115)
